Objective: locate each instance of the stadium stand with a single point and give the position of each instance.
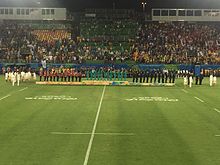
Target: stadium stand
(110, 37)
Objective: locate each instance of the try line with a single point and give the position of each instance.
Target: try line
(94, 129)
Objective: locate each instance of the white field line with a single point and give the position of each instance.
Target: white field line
(5, 97)
(217, 135)
(215, 109)
(94, 129)
(23, 89)
(199, 99)
(185, 91)
(86, 133)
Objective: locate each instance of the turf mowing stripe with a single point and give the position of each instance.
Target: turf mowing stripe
(5, 97)
(217, 110)
(84, 133)
(185, 91)
(199, 99)
(94, 129)
(23, 89)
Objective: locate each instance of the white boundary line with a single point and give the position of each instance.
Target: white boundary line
(23, 89)
(185, 91)
(94, 129)
(13, 92)
(86, 133)
(5, 97)
(217, 135)
(215, 109)
(199, 99)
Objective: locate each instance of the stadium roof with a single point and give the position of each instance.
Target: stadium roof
(134, 4)
(31, 3)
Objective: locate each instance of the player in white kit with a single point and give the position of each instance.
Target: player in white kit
(214, 78)
(18, 78)
(13, 78)
(211, 80)
(190, 81)
(185, 80)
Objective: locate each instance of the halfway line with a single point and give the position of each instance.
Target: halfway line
(86, 133)
(199, 99)
(5, 97)
(94, 129)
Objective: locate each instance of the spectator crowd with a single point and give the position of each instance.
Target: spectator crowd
(149, 43)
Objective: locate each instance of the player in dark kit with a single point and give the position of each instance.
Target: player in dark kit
(141, 76)
(65, 75)
(80, 76)
(166, 77)
(72, 74)
(162, 74)
(151, 76)
(51, 74)
(173, 76)
(155, 76)
(45, 75)
(201, 78)
(159, 76)
(170, 76)
(61, 74)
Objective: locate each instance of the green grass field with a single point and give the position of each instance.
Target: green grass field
(101, 126)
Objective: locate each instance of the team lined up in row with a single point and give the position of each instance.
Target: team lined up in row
(154, 76)
(60, 74)
(72, 74)
(17, 75)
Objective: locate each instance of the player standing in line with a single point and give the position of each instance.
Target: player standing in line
(18, 77)
(190, 80)
(6, 76)
(41, 73)
(214, 78)
(34, 75)
(22, 75)
(185, 80)
(211, 80)
(13, 78)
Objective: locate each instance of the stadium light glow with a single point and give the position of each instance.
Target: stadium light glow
(144, 6)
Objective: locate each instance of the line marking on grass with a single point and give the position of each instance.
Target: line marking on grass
(86, 133)
(217, 135)
(5, 97)
(94, 129)
(215, 109)
(23, 89)
(185, 91)
(199, 99)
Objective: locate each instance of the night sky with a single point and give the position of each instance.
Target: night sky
(77, 5)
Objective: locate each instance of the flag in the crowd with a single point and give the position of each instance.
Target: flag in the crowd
(44, 64)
